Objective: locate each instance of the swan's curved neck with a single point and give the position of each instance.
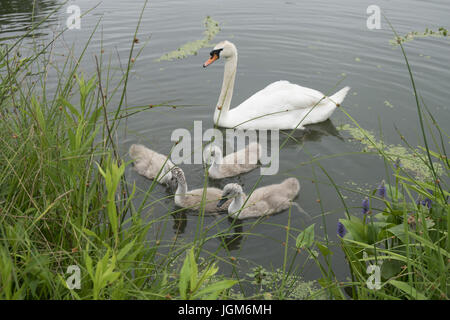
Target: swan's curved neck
(217, 159)
(181, 190)
(224, 102)
(236, 204)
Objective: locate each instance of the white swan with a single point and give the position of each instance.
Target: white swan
(233, 164)
(262, 202)
(148, 163)
(192, 199)
(280, 105)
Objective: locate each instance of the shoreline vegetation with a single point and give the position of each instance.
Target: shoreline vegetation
(65, 201)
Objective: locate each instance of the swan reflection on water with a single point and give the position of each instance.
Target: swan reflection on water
(313, 132)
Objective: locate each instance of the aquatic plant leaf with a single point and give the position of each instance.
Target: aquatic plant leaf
(306, 238)
(399, 232)
(355, 228)
(215, 288)
(323, 249)
(184, 278)
(390, 268)
(193, 270)
(123, 252)
(390, 191)
(410, 291)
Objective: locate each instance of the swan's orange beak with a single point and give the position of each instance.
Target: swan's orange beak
(213, 58)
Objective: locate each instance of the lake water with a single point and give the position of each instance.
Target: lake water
(311, 43)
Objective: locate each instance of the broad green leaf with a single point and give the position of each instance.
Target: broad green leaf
(391, 192)
(89, 268)
(306, 238)
(399, 232)
(184, 278)
(194, 269)
(356, 228)
(123, 252)
(67, 104)
(406, 288)
(216, 287)
(390, 268)
(323, 249)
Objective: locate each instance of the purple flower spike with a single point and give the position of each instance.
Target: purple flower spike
(341, 231)
(365, 206)
(398, 164)
(427, 202)
(382, 189)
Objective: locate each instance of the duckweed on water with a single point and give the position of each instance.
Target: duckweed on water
(388, 104)
(191, 48)
(442, 32)
(411, 160)
(296, 287)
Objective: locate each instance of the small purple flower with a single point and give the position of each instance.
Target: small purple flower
(341, 231)
(382, 189)
(398, 164)
(427, 202)
(365, 205)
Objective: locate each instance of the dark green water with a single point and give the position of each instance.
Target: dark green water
(312, 43)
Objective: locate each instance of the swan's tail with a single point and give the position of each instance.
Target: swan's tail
(339, 96)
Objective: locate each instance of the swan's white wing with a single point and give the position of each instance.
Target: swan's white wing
(281, 96)
(280, 105)
(283, 105)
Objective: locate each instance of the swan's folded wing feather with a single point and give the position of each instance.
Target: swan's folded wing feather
(281, 96)
(255, 210)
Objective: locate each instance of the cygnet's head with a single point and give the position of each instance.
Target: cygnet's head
(224, 49)
(230, 191)
(210, 153)
(177, 177)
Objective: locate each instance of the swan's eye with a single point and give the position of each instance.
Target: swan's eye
(215, 52)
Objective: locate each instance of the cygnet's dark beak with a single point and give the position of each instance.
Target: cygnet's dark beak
(221, 202)
(173, 185)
